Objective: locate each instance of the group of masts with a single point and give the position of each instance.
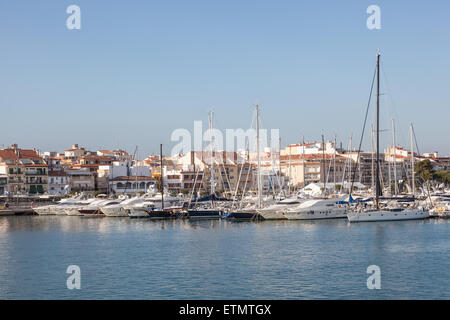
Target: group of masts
(376, 177)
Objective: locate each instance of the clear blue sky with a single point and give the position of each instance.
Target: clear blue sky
(137, 70)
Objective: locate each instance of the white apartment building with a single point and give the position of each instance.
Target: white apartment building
(58, 183)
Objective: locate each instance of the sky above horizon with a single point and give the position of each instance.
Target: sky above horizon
(137, 71)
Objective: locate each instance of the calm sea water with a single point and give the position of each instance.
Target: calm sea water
(122, 258)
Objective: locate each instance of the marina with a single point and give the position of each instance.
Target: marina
(225, 150)
(124, 258)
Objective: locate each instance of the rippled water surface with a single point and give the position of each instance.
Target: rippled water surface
(121, 258)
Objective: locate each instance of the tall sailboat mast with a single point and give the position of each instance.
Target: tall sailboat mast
(377, 172)
(413, 183)
(395, 158)
(372, 159)
(258, 156)
(304, 162)
(279, 165)
(213, 180)
(161, 179)
(392, 214)
(137, 169)
(289, 171)
(211, 150)
(334, 162)
(324, 167)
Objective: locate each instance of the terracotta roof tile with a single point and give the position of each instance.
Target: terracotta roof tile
(10, 154)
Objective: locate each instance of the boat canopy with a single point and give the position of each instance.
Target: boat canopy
(212, 197)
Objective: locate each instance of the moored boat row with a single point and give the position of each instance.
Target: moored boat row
(293, 208)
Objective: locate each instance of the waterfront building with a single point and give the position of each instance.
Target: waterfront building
(58, 182)
(3, 183)
(25, 170)
(301, 170)
(438, 163)
(183, 180)
(118, 155)
(126, 168)
(75, 152)
(271, 180)
(55, 163)
(181, 171)
(313, 162)
(81, 180)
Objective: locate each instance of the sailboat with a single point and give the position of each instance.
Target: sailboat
(212, 212)
(147, 209)
(385, 214)
(322, 208)
(251, 213)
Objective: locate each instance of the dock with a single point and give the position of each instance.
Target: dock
(17, 212)
(6, 213)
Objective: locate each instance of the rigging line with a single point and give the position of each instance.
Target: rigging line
(193, 189)
(362, 134)
(244, 162)
(217, 124)
(391, 97)
(415, 139)
(394, 107)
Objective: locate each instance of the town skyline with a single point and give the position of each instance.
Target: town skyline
(134, 75)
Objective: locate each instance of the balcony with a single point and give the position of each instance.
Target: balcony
(36, 181)
(36, 173)
(15, 181)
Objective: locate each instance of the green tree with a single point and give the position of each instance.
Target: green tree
(424, 174)
(442, 177)
(424, 171)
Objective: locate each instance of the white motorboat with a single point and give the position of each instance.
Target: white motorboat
(72, 210)
(122, 209)
(394, 214)
(94, 207)
(56, 209)
(318, 209)
(43, 210)
(139, 210)
(142, 209)
(168, 200)
(60, 209)
(275, 211)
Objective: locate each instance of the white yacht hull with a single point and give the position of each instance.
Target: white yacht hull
(60, 211)
(73, 211)
(115, 211)
(138, 213)
(272, 215)
(407, 214)
(43, 211)
(315, 215)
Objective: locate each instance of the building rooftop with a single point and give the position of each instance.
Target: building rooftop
(16, 154)
(131, 178)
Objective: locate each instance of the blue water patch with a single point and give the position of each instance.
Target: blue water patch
(121, 258)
